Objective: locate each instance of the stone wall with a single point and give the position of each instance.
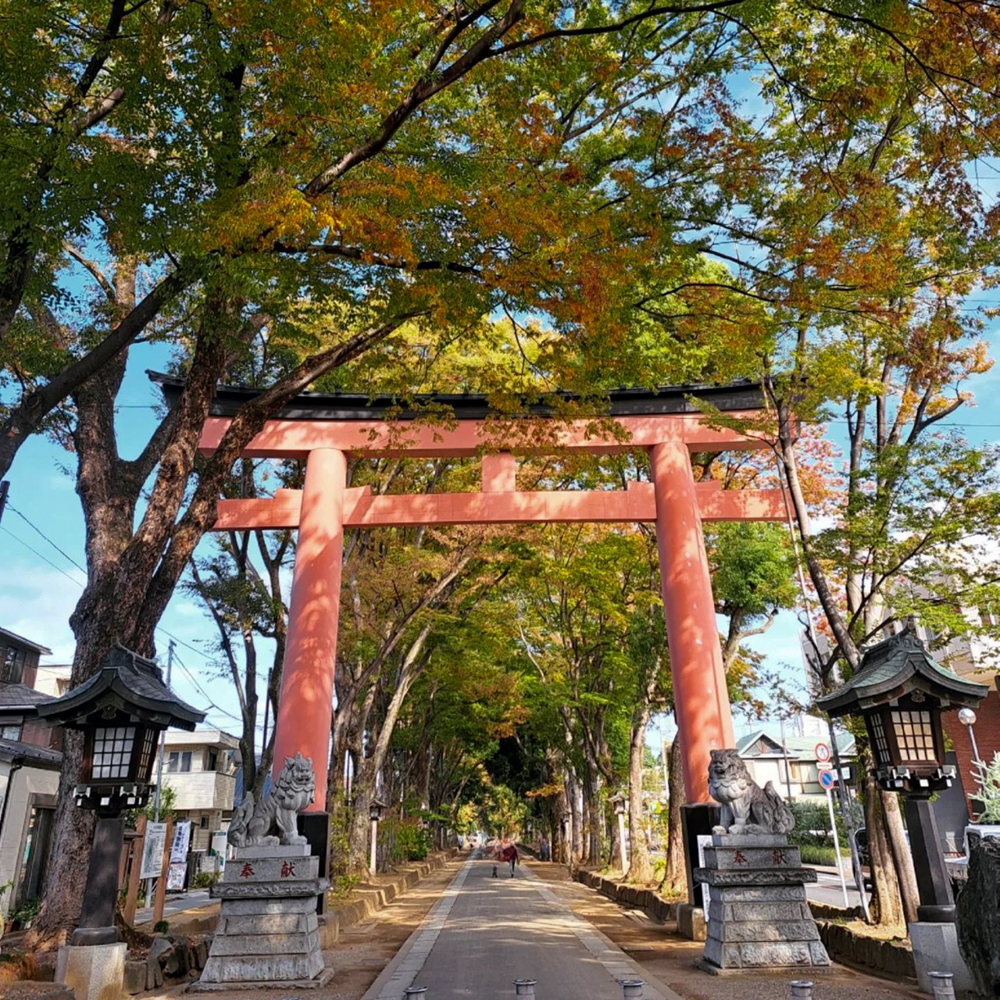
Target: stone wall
(891, 959)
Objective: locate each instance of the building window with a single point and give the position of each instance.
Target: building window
(12, 667)
(178, 761)
(10, 733)
(213, 760)
(204, 822)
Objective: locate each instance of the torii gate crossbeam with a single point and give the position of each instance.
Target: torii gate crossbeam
(325, 429)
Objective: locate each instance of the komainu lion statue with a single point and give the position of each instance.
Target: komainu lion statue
(273, 819)
(746, 807)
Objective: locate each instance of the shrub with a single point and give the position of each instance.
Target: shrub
(412, 842)
(817, 855)
(161, 927)
(202, 880)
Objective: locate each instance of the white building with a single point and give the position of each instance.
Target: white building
(201, 767)
(790, 764)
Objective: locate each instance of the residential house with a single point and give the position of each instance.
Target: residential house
(200, 767)
(30, 760)
(791, 764)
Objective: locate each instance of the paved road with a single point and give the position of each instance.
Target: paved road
(827, 889)
(176, 904)
(485, 932)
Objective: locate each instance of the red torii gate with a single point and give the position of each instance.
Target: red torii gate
(324, 429)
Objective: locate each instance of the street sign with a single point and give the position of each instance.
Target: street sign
(822, 752)
(827, 779)
(824, 765)
(152, 853)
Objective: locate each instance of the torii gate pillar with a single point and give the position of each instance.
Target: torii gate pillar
(701, 698)
(304, 709)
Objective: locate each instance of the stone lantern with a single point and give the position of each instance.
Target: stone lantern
(618, 803)
(374, 814)
(901, 691)
(121, 711)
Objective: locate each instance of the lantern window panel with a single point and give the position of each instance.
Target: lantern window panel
(112, 753)
(880, 740)
(914, 735)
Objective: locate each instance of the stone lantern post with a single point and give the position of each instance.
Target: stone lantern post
(618, 802)
(901, 692)
(121, 711)
(374, 814)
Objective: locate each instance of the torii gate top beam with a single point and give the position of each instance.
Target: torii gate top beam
(379, 427)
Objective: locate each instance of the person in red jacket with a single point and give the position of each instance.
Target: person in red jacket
(510, 856)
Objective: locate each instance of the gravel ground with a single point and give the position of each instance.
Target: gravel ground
(363, 951)
(670, 958)
(360, 954)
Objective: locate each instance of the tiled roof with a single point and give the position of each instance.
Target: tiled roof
(6, 634)
(125, 677)
(43, 756)
(20, 696)
(798, 747)
(900, 661)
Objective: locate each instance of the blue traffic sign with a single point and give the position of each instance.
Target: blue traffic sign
(827, 779)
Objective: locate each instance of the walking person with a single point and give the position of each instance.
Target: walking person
(510, 856)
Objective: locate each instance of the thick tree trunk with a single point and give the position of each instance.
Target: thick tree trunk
(674, 873)
(902, 859)
(560, 839)
(886, 905)
(640, 867)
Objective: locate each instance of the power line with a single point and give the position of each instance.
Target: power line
(159, 628)
(39, 531)
(58, 569)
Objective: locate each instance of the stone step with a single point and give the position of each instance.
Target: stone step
(734, 931)
(264, 944)
(248, 907)
(757, 894)
(270, 890)
(767, 955)
(760, 912)
(755, 876)
(268, 923)
(749, 839)
(272, 851)
(746, 858)
(270, 870)
(262, 968)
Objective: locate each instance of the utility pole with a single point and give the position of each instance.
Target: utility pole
(159, 766)
(4, 490)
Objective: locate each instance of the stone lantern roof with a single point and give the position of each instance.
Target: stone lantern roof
(128, 683)
(894, 667)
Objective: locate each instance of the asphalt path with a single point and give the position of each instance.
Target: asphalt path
(486, 932)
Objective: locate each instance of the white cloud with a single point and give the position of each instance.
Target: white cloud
(36, 602)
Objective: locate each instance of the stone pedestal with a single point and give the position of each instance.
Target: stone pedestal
(268, 932)
(935, 949)
(92, 972)
(758, 915)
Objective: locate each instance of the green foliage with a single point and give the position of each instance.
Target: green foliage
(343, 884)
(817, 854)
(24, 913)
(168, 800)
(161, 927)
(988, 779)
(411, 841)
(202, 880)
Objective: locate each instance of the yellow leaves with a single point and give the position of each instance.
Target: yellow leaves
(270, 211)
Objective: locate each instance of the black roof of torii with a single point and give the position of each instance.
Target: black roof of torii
(666, 400)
